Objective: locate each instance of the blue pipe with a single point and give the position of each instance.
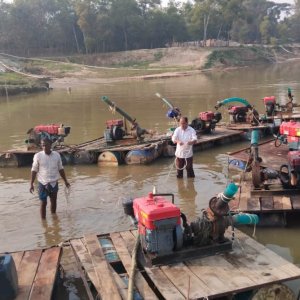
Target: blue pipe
(245, 219)
(230, 190)
(254, 137)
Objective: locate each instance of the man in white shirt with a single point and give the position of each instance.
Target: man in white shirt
(184, 137)
(47, 167)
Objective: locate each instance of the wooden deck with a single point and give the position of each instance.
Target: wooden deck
(272, 157)
(265, 201)
(220, 136)
(37, 271)
(250, 265)
(88, 152)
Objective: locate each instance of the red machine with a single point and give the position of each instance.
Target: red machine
(157, 219)
(291, 128)
(117, 122)
(238, 114)
(270, 104)
(54, 132)
(164, 231)
(206, 121)
(51, 129)
(207, 115)
(114, 130)
(294, 160)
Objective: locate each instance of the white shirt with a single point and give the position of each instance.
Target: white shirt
(185, 136)
(47, 167)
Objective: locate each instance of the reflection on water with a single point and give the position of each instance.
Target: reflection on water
(94, 203)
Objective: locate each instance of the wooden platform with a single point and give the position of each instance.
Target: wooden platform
(272, 157)
(37, 271)
(259, 201)
(250, 265)
(220, 136)
(88, 152)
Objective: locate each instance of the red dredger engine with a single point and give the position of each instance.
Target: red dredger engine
(54, 132)
(158, 221)
(289, 134)
(238, 114)
(290, 172)
(163, 228)
(206, 121)
(114, 130)
(270, 105)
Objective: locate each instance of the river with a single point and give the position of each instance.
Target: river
(93, 204)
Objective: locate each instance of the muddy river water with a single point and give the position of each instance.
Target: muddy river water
(93, 204)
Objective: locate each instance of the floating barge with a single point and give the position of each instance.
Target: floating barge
(273, 203)
(106, 261)
(37, 272)
(272, 156)
(248, 266)
(127, 150)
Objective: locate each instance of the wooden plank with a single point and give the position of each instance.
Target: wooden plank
(85, 259)
(163, 284)
(129, 239)
(28, 268)
(282, 268)
(295, 200)
(161, 281)
(253, 204)
(107, 287)
(286, 203)
(243, 197)
(208, 275)
(278, 205)
(266, 203)
(46, 273)
(17, 256)
(123, 253)
(186, 281)
(231, 275)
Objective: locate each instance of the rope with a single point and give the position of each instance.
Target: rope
(186, 153)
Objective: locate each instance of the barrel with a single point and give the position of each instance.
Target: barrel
(8, 278)
(109, 250)
(111, 158)
(9, 159)
(139, 156)
(84, 157)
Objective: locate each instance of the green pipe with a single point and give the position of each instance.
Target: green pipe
(245, 219)
(254, 137)
(233, 99)
(116, 108)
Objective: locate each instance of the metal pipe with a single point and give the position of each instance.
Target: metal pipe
(119, 110)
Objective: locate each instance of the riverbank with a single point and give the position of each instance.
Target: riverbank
(69, 71)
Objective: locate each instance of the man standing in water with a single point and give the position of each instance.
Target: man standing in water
(184, 137)
(47, 167)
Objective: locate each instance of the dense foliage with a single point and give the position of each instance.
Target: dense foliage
(48, 27)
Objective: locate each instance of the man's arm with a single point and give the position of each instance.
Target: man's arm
(33, 176)
(63, 176)
(193, 137)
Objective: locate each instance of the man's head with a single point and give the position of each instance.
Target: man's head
(46, 145)
(183, 122)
